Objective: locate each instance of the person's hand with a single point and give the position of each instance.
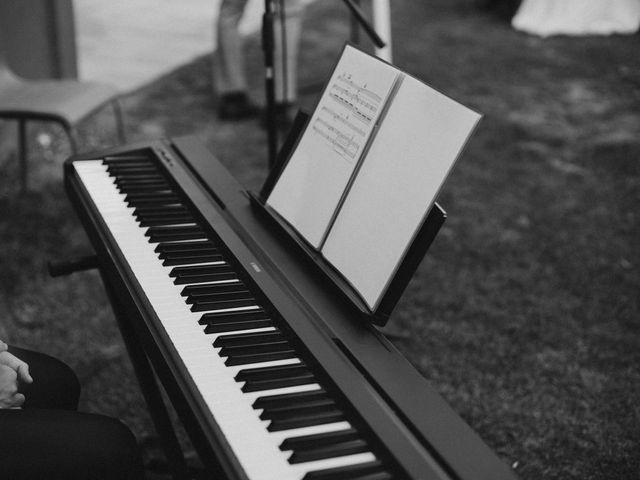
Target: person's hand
(20, 367)
(9, 396)
(3, 346)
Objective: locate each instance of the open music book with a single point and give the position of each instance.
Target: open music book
(367, 169)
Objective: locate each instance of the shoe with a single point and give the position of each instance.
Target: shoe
(236, 106)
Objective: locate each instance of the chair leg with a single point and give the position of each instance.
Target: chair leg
(72, 140)
(22, 153)
(119, 117)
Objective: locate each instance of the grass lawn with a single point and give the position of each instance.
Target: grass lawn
(524, 314)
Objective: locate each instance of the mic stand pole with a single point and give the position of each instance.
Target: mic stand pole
(270, 89)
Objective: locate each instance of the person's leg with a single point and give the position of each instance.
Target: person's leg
(228, 62)
(54, 444)
(54, 383)
(229, 76)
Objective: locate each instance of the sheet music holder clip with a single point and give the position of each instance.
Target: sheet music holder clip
(414, 255)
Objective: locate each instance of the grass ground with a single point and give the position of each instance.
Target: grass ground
(524, 314)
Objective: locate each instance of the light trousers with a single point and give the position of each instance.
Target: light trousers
(229, 70)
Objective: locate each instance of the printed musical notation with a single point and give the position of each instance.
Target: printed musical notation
(358, 99)
(345, 122)
(343, 144)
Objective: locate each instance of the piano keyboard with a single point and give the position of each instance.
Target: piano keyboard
(280, 415)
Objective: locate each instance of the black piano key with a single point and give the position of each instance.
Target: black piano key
(270, 384)
(140, 198)
(188, 253)
(200, 269)
(141, 186)
(307, 442)
(330, 451)
(132, 165)
(288, 399)
(159, 221)
(174, 236)
(273, 347)
(251, 358)
(153, 231)
(267, 373)
(267, 378)
(140, 180)
(147, 187)
(172, 260)
(165, 247)
(248, 339)
(235, 316)
(364, 471)
(134, 171)
(164, 233)
(154, 202)
(210, 288)
(306, 420)
(202, 306)
(151, 209)
(119, 159)
(143, 162)
(301, 410)
(143, 198)
(280, 350)
(163, 211)
(153, 190)
(303, 406)
(187, 279)
(222, 327)
(134, 196)
(202, 273)
(131, 170)
(163, 215)
(212, 295)
(221, 297)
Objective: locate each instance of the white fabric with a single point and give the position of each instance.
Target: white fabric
(577, 17)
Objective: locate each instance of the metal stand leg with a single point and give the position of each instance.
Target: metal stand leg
(150, 390)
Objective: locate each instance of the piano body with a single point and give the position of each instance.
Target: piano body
(272, 372)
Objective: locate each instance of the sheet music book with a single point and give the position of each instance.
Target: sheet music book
(368, 167)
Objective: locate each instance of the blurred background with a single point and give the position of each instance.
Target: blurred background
(524, 314)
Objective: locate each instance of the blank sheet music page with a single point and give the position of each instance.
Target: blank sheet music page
(313, 181)
(420, 138)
